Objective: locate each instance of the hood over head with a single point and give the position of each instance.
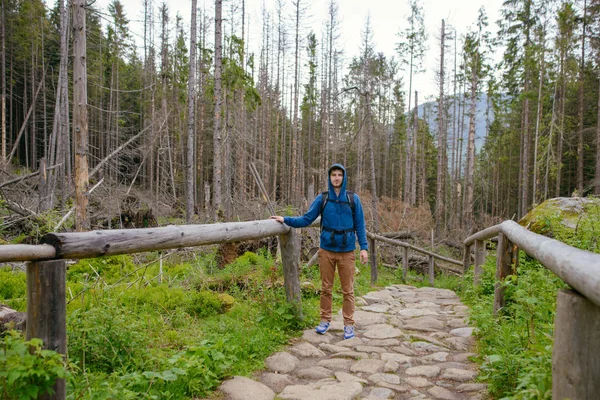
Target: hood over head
(344, 181)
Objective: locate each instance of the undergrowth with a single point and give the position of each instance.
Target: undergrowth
(130, 337)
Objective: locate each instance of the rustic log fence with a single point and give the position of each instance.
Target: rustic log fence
(46, 277)
(575, 361)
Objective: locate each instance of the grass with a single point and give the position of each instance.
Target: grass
(130, 337)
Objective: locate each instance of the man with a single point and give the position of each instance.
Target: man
(342, 222)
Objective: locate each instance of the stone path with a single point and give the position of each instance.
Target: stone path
(411, 343)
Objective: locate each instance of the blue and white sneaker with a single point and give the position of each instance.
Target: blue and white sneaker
(323, 327)
(348, 332)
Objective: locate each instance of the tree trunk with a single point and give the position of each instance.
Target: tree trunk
(80, 115)
(295, 192)
(3, 72)
(440, 211)
(580, 107)
(217, 167)
(597, 183)
(468, 205)
(413, 167)
(538, 121)
(191, 125)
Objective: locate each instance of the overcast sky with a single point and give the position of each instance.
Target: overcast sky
(388, 17)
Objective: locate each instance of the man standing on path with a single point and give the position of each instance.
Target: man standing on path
(342, 222)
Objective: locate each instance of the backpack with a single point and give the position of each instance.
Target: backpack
(350, 202)
(349, 196)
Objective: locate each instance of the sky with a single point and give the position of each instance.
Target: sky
(388, 17)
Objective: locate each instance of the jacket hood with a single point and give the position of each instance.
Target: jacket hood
(344, 181)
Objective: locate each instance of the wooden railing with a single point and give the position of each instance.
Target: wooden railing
(575, 356)
(46, 268)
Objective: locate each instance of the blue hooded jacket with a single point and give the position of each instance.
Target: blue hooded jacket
(336, 219)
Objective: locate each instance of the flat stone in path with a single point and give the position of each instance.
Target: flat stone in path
(336, 391)
(282, 362)
(439, 393)
(305, 349)
(277, 382)
(423, 370)
(382, 331)
(369, 366)
(241, 388)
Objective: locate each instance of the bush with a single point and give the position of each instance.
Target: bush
(27, 371)
(107, 337)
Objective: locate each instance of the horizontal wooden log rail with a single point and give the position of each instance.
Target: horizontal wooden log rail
(575, 366)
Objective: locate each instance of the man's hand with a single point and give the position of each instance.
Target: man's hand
(277, 218)
(364, 256)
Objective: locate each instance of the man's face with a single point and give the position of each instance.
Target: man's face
(337, 177)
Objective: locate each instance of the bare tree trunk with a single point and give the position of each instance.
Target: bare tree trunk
(80, 117)
(440, 211)
(538, 121)
(597, 183)
(468, 206)
(217, 160)
(370, 133)
(580, 108)
(296, 195)
(525, 161)
(191, 125)
(413, 166)
(561, 131)
(3, 72)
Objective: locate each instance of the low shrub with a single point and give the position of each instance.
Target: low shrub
(27, 371)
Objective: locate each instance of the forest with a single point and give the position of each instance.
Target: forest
(183, 117)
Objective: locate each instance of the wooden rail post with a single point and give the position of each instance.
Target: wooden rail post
(404, 263)
(431, 270)
(479, 260)
(503, 269)
(575, 361)
(47, 310)
(373, 260)
(290, 258)
(466, 258)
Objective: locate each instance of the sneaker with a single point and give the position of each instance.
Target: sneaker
(322, 328)
(348, 332)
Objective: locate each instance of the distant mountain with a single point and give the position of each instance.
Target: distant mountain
(429, 111)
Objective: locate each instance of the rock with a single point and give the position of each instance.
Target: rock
(380, 393)
(356, 355)
(378, 297)
(399, 358)
(369, 366)
(382, 331)
(423, 370)
(336, 364)
(365, 318)
(462, 332)
(313, 337)
(460, 375)
(377, 308)
(439, 393)
(276, 381)
(471, 387)
(337, 391)
(396, 388)
(314, 373)
(417, 382)
(440, 356)
(384, 342)
(427, 324)
(429, 339)
(304, 349)
(370, 349)
(391, 366)
(355, 341)
(381, 377)
(426, 346)
(404, 350)
(241, 388)
(227, 301)
(416, 312)
(11, 319)
(459, 343)
(282, 362)
(463, 357)
(346, 377)
(457, 323)
(359, 301)
(332, 348)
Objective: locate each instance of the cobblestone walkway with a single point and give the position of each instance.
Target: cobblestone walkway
(411, 343)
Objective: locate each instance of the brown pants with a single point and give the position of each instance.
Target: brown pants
(328, 260)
